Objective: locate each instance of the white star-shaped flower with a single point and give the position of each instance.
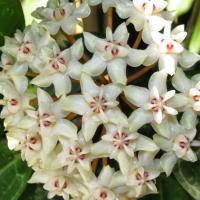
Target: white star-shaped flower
(102, 187)
(15, 72)
(25, 46)
(154, 104)
(59, 66)
(75, 154)
(56, 182)
(61, 14)
(145, 15)
(177, 146)
(49, 121)
(15, 104)
(168, 50)
(97, 105)
(113, 53)
(121, 144)
(142, 176)
(28, 143)
(190, 91)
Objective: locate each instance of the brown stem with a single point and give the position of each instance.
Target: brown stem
(31, 74)
(110, 18)
(133, 107)
(94, 164)
(138, 40)
(141, 72)
(103, 79)
(105, 161)
(71, 116)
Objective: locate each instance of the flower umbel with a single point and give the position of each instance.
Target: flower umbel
(81, 118)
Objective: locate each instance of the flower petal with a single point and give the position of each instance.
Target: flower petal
(66, 128)
(117, 71)
(89, 127)
(98, 149)
(82, 11)
(158, 80)
(136, 57)
(74, 69)
(138, 96)
(170, 110)
(77, 49)
(181, 82)
(158, 116)
(75, 104)
(167, 162)
(111, 91)
(62, 84)
(105, 176)
(88, 86)
(167, 63)
(95, 66)
(152, 55)
(90, 41)
(138, 118)
(124, 9)
(189, 119)
(164, 143)
(179, 100)
(124, 162)
(145, 144)
(190, 156)
(188, 59)
(121, 34)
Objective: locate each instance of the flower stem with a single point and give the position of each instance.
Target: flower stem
(70, 116)
(110, 18)
(123, 98)
(141, 72)
(94, 164)
(31, 74)
(138, 40)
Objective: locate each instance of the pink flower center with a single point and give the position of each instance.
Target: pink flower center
(120, 140)
(157, 104)
(13, 102)
(98, 104)
(77, 154)
(26, 50)
(115, 51)
(196, 98)
(170, 46)
(33, 140)
(103, 195)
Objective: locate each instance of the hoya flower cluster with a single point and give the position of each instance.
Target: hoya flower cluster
(77, 137)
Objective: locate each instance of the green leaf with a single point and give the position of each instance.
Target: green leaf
(169, 189)
(194, 44)
(188, 175)
(180, 6)
(14, 173)
(11, 18)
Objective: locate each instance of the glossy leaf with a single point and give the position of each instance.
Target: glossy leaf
(194, 44)
(11, 18)
(180, 6)
(188, 175)
(14, 173)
